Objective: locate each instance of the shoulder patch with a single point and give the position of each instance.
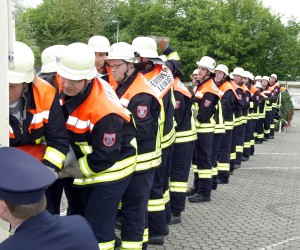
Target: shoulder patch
(207, 103)
(177, 104)
(142, 111)
(109, 139)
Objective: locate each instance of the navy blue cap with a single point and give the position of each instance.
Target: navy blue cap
(23, 179)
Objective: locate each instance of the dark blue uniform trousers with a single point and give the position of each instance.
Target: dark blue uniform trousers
(267, 123)
(180, 169)
(102, 207)
(217, 139)
(134, 206)
(224, 154)
(247, 140)
(234, 138)
(240, 142)
(158, 219)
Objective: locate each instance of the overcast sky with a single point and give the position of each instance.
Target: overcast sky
(286, 8)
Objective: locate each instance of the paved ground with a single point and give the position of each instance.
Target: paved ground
(258, 209)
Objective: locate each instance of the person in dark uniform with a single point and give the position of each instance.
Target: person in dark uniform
(205, 100)
(23, 182)
(267, 91)
(36, 119)
(160, 76)
(276, 91)
(145, 105)
(102, 135)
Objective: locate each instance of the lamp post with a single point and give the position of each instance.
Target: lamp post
(118, 23)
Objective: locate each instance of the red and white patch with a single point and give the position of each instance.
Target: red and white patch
(257, 97)
(247, 99)
(177, 104)
(207, 103)
(239, 97)
(109, 139)
(142, 111)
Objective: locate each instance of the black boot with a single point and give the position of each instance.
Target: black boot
(175, 218)
(197, 198)
(191, 191)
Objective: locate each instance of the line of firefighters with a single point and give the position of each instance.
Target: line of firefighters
(120, 131)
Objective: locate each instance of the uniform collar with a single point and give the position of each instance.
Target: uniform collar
(121, 88)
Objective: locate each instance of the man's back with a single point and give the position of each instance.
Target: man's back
(49, 232)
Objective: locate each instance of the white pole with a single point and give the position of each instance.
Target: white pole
(6, 21)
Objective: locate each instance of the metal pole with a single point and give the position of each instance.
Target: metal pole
(6, 25)
(118, 31)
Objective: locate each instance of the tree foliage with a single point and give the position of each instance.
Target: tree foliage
(235, 32)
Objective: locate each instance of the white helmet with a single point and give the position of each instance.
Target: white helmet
(208, 63)
(77, 62)
(274, 75)
(99, 43)
(145, 46)
(23, 64)
(223, 68)
(50, 57)
(265, 78)
(258, 84)
(238, 71)
(195, 72)
(123, 51)
(258, 78)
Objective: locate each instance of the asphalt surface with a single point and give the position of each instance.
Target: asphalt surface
(258, 209)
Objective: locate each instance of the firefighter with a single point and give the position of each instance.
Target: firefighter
(237, 80)
(253, 104)
(22, 204)
(160, 76)
(50, 57)
(35, 118)
(259, 129)
(194, 77)
(267, 91)
(102, 136)
(101, 47)
(186, 135)
(144, 104)
(245, 112)
(228, 101)
(205, 100)
(276, 90)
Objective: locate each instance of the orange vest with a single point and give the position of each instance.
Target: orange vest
(208, 86)
(226, 86)
(160, 79)
(139, 85)
(253, 89)
(179, 86)
(44, 94)
(84, 117)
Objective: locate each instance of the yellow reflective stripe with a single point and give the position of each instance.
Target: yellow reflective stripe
(179, 187)
(54, 156)
(233, 156)
(166, 196)
(229, 125)
(260, 136)
(272, 126)
(168, 139)
(252, 142)
(239, 148)
(220, 129)
(120, 205)
(186, 139)
(223, 166)
(148, 156)
(131, 245)
(267, 131)
(155, 205)
(146, 235)
(251, 105)
(110, 245)
(247, 144)
(214, 171)
(173, 55)
(40, 140)
(255, 134)
(84, 147)
(244, 119)
(142, 166)
(194, 167)
(204, 173)
(118, 171)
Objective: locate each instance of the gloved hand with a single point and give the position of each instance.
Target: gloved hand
(162, 42)
(71, 170)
